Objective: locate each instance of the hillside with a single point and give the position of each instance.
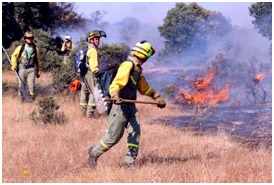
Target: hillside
(58, 153)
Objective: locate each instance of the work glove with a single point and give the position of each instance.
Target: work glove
(97, 74)
(116, 97)
(161, 103)
(13, 68)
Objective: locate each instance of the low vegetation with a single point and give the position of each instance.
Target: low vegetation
(51, 153)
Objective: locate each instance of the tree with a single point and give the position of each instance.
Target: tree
(191, 26)
(11, 29)
(64, 17)
(96, 19)
(129, 27)
(19, 17)
(262, 12)
(30, 15)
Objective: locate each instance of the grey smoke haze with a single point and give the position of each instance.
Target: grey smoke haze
(240, 46)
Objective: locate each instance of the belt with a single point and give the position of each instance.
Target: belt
(27, 67)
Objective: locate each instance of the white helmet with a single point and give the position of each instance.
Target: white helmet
(68, 37)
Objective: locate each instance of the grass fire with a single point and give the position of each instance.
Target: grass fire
(180, 94)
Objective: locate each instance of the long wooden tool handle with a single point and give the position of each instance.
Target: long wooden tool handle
(132, 101)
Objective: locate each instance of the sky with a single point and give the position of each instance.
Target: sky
(155, 12)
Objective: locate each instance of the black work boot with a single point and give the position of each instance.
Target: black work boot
(91, 115)
(129, 165)
(92, 160)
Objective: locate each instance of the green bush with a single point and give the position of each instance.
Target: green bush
(47, 112)
(63, 78)
(171, 90)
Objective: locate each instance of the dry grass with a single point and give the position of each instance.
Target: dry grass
(58, 153)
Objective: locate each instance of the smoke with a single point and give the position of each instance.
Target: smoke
(240, 46)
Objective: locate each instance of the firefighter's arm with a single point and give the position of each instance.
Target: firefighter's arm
(121, 78)
(145, 89)
(92, 60)
(72, 46)
(63, 47)
(39, 61)
(14, 57)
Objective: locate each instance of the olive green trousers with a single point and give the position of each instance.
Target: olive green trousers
(87, 101)
(28, 78)
(121, 117)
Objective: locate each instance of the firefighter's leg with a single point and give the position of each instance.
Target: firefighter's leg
(89, 81)
(23, 76)
(65, 59)
(31, 80)
(91, 106)
(115, 131)
(133, 130)
(83, 99)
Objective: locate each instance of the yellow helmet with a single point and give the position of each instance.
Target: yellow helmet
(28, 35)
(96, 33)
(144, 48)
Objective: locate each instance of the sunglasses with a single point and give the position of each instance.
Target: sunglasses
(28, 38)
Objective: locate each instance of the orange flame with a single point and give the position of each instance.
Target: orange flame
(203, 92)
(259, 77)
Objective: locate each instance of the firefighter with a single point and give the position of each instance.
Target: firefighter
(67, 48)
(26, 59)
(87, 100)
(125, 115)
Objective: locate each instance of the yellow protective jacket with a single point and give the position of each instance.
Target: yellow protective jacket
(15, 60)
(68, 45)
(126, 79)
(92, 58)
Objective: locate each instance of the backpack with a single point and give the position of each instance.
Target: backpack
(107, 73)
(80, 64)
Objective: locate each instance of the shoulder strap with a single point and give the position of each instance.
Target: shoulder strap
(21, 50)
(132, 69)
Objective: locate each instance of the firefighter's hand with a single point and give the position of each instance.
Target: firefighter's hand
(161, 103)
(115, 96)
(97, 74)
(38, 74)
(13, 68)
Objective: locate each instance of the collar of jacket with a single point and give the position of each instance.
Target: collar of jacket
(91, 46)
(131, 58)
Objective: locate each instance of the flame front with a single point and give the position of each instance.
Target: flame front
(203, 92)
(259, 77)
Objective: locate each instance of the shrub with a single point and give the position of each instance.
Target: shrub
(171, 90)
(47, 112)
(63, 78)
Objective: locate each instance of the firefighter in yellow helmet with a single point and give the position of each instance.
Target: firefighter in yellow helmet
(26, 59)
(127, 82)
(87, 101)
(67, 48)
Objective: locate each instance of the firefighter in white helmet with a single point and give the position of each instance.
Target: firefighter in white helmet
(127, 82)
(67, 48)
